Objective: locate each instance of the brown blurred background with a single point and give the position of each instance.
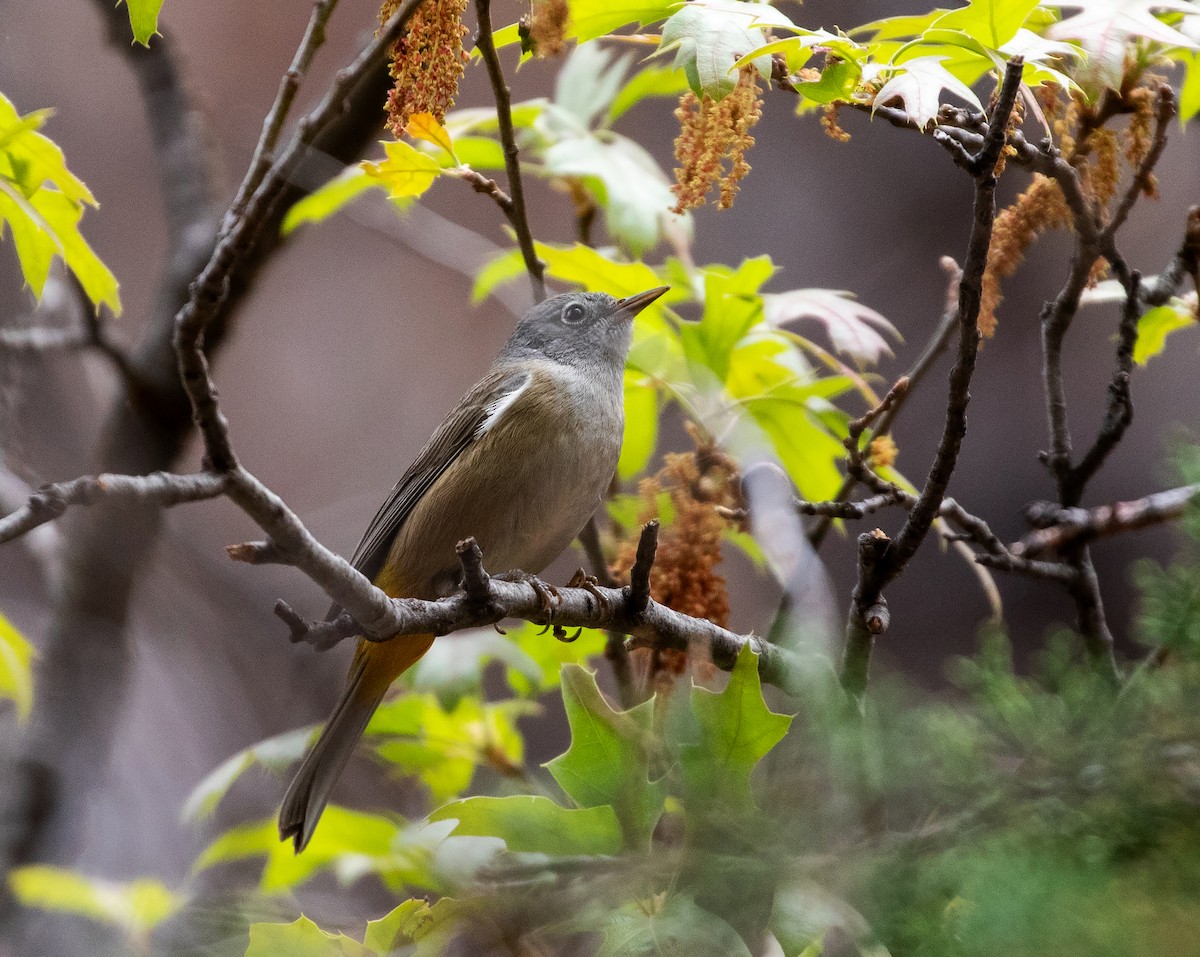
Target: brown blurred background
(355, 343)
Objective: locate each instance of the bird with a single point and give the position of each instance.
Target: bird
(521, 464)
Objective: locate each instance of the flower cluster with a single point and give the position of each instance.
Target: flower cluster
(427, 62)
(713, 139)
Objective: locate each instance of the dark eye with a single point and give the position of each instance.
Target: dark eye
(574, 314)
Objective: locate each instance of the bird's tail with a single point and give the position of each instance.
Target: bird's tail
(376, 666)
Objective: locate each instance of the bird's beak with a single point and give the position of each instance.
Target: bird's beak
(630, 307)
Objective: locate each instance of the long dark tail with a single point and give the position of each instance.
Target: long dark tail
(309, 791)
(376, 666)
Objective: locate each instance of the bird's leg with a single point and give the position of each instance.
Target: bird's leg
(590, 584)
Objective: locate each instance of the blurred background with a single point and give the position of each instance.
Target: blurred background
(360, 335)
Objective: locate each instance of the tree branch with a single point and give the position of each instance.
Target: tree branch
(518, 216)
(485, 600)
(1060, 526)
(880, 560)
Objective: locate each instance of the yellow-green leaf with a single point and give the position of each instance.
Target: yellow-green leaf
(16, 673)
(300, 938)
(143, 19)
(134, 906)
(1158, 323)
(424, 126)
(534, 824)
(405, 172)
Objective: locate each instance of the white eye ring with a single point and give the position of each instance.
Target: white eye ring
(573, 314)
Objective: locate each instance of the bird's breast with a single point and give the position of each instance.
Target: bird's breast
(526, 487)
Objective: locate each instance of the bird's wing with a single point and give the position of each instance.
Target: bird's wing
(478, 411)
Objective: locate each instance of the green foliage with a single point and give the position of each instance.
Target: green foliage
(736, 730)
(42, 202)
(709, 36)
(608, 763)
(534, 824)
(274, 754)
(1156, 324)
(135, 907)
(143, 19)
(16, 672)
(301, 938)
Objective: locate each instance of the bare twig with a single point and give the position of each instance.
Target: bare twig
(44, 544)
(1185, 262)
(519, 215)
(615, 650)
(211, 286)
(881, 563)
(1062, 526)
(920, 368)
(159, 488)
(289, 85)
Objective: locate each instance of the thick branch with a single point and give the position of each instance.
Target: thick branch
(486, 600)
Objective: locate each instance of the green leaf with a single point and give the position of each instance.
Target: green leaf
(1156, 324)
(608, 760)
(42, 201)
(679, 926)
(301, 938)
(528, 823)
(322, 203)
(992, 22)
(441, 747)
(453, 668)
(626, 181)
(806, 450)
(342, 833)
(710, 36)
(732, 306)
(595, 18)
(651, 81)
(1189, 92)
(736, 731)
(136, 907)
(16, 671)
(386, 934)
(641, 426)
(143, 19)
(274, 753)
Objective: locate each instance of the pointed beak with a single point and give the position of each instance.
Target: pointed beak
(630, 307)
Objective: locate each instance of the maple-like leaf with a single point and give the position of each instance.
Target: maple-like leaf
(918, 84)
(853, 328)
(1105, 27)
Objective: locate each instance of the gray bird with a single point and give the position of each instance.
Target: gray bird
(521, 464)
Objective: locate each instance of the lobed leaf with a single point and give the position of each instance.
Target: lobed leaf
(533, 824)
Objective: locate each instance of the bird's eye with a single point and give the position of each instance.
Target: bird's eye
(574, 314)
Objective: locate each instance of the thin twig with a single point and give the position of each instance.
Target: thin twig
(519, 215)
(920, 368)
(289, 85)
(881, 563)
(1062, 526)
(162, 489)
(1142, 181)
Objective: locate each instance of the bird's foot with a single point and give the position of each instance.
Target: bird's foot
(548, 597)
(590, 584)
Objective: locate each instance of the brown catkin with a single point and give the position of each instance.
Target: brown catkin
(1039, 208)
(684, 575)
(714, 136)
(427, 62)
(548, 27)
